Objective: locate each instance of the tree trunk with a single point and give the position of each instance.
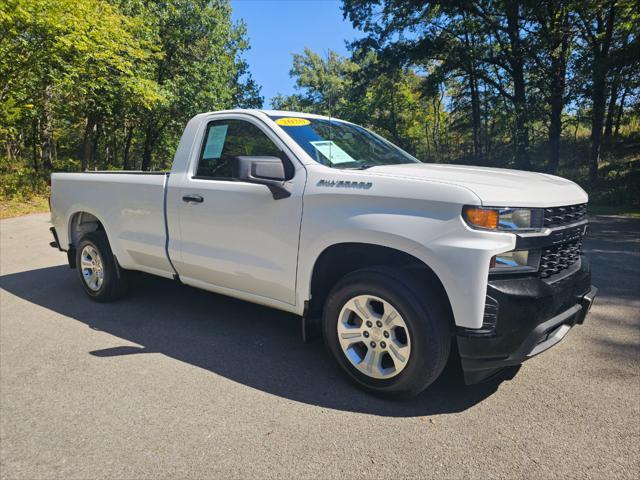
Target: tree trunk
(516, 62)
(597, 119)
(521, 124)
(616, 130)
(611, 110)
(394, 120)
(558, 84)
(87, 142)
(475, 102)
(555, 131)
(486, 126)
(599, 90)
(149, 141)
(34, 145)
(114, 149)
(427, 140)
(95, 153)
(127, 148)
(435, 131)
(475, 110)
(47, 129)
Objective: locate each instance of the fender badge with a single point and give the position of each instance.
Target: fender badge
(344, 184)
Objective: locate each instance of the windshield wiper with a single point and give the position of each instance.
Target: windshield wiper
(364, 166)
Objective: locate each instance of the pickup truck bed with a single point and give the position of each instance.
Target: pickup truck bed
(131, 211)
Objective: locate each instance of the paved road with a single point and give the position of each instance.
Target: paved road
(174, 382)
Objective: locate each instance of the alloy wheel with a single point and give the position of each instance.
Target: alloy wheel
(92, 269)
(374, 337)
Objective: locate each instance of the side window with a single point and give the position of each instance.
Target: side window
(225, 139)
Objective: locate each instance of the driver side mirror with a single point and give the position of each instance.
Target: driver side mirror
(268, 171)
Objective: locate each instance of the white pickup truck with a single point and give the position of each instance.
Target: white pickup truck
(397, 263)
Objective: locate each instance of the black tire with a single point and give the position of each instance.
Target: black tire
(422, 311)
(114, 281)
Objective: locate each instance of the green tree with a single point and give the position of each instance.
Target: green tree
(483, 40)
(390, 103)
(59, 52)
(99, 83)
(609, 41)
(199, 69)
(552, 35)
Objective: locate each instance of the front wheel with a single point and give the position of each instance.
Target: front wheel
(99, 273)
(387, 331)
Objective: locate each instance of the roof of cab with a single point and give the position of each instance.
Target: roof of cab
(284, 113)
(274, 113)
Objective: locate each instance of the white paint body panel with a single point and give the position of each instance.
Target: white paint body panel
(239, 239)
(423, 219)
(129, 206)
(241, 242)
(498, 187)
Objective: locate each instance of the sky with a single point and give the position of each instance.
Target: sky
(279, 28)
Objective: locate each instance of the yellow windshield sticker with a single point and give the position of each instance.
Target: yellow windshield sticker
(292, 122)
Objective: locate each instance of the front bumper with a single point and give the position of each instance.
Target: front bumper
(530, 315)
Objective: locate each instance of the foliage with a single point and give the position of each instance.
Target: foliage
(511, 83)
(432, 125)
(340, 87)
(110, 84)
(508, 74)
(546, 85)
(15, 207)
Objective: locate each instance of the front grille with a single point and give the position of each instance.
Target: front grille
(557, 258)
(559, 216)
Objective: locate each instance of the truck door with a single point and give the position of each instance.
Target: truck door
(232, 236)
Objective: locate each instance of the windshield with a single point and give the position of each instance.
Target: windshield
(342, 145)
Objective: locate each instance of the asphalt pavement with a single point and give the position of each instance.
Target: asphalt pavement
(173, 382)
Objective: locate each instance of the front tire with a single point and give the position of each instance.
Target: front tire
(388, 332)
(103, 280)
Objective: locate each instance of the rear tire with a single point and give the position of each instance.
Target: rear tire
(101, 277)
(388, 332)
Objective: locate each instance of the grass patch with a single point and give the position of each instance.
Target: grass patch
(624, 211)
(15, 207)
(617, 188)
(21, 190)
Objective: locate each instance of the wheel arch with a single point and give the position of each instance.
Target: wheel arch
(81, 222)
(339, 259)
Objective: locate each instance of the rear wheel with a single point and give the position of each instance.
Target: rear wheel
(99, 273)
(387, 331)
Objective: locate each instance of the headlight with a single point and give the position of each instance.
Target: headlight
(503, 219)
(515, 220)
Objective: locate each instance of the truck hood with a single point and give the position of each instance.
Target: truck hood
(494, 186)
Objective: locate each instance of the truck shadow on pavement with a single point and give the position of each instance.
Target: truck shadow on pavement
(249, 344)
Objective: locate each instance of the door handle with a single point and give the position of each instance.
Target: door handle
(193, 198)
